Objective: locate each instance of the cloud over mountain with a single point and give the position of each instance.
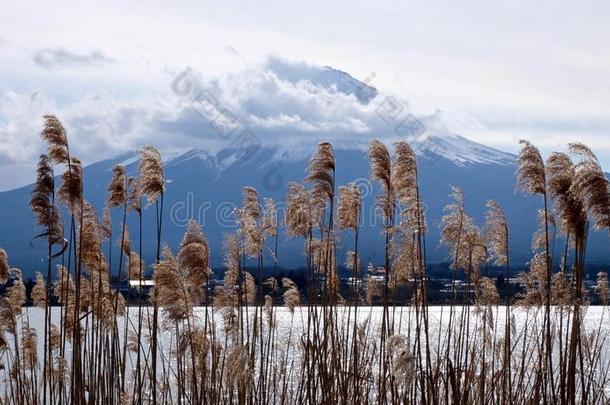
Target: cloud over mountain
(278, 102)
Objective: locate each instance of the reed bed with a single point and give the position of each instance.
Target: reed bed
(253, 339)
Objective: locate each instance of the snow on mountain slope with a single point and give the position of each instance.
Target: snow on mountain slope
(454, 148)
(460, 151)
(208, 160)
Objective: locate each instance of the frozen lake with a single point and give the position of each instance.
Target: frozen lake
(290, 330)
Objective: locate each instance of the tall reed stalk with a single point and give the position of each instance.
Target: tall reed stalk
(220, 336)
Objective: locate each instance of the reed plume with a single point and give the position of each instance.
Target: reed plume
(29, 343)
(238, 367)
(124, 242)
(227, 296)
(454, 225)
(591, 184)
(403, 359)
(71, 194)
(64, 287)
(292, 298)
(194, 257)
(301, 210)
(134, 198)
(4, 267)
(561, 289)
(106, 225)
(270, 226)
(152, 182)
(42, 202)
(269, 222)
(474, 252)
(61, 371)
(487, 292)
(496, 231)
(372, 289)
(7, 318)
(566, 197)
(39, 291)
(135, 266)
(117, 188)
(269, 313)
(16, 293)
(272, 283)
(55, 340)
(65, 291)
(404, 180)
(249, 288)
(321, 172)
(536, 280)
(404, 172)
(381, 167)
(539, 236)
(531, 176)
(232, 261)
(322, 250)
(91, 248)
(487, 296)
(404, 260)
(171, 292)
(54, 134)
(250, 216)
(71, 188)
(348, 208)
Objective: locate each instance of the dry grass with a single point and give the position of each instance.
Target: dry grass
(190, 343)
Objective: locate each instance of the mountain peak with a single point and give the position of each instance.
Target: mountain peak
(322, 76)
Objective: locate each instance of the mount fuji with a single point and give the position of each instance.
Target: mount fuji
(207, 187)
(206, 184)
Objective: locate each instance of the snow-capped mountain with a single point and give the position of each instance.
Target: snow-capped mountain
(208, 187)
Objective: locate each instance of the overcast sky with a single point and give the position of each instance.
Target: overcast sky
(521, 69)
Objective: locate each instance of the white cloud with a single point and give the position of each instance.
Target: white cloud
(101, 124)
(60, 57)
